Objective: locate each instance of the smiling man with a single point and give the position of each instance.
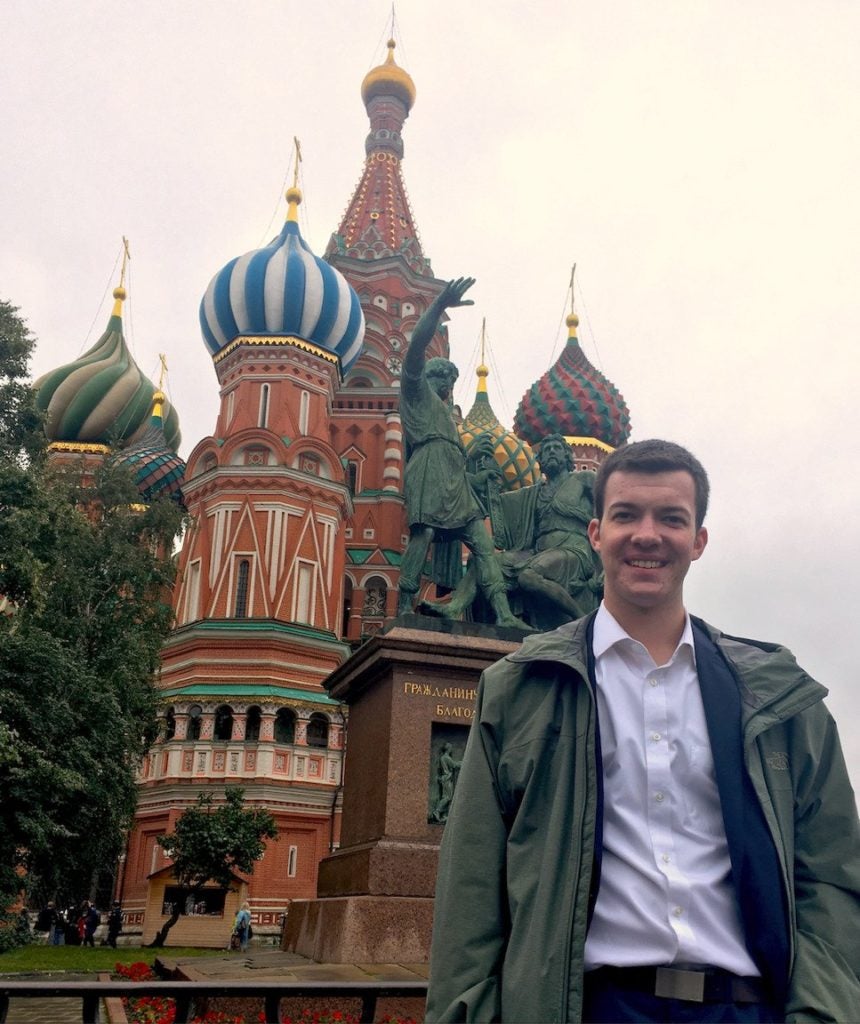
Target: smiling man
(653, 820)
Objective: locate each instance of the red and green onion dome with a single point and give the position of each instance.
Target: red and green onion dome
(158, 472)
(574, 399)
(102, 397)
(513, 456)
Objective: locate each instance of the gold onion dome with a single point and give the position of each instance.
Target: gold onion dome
(102, 397)
(389, 79)
(513, 456)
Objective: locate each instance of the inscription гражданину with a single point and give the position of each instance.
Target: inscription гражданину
(446, 693)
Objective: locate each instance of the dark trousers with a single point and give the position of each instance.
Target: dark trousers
(606, 1003)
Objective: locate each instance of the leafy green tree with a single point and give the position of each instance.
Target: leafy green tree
(90, 573)
(20, 437)
(91, 578)
(214, 843)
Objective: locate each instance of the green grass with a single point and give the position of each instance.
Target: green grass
(81, 958)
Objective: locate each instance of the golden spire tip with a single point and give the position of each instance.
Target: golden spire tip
(119, 293)
(294, 193)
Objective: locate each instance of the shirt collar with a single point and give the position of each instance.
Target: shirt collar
(608, 632)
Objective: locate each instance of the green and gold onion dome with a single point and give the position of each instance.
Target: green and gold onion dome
(513, 456)
(102, 397)
(574, 399)
(158, 471)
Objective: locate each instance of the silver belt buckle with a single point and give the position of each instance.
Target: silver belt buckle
(676, 984)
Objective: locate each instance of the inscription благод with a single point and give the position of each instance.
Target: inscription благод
(446, 693)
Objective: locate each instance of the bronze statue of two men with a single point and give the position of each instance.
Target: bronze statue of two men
(546, 563)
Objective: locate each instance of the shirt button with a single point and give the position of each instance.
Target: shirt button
(655, 736)
(659, 797)
(652, 681)
(677, 911)
(665, 858)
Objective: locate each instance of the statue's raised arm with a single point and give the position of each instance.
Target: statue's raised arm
(450, 297)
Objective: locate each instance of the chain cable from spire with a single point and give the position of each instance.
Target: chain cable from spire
(558, 328)
(590, 329)
(383, 36)
(497, 378)
(299, 176)
(397, 35)
(111, 278)
(128, 320)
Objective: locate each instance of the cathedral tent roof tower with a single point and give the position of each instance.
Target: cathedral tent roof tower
(378, 221)
(575, 399)
(102, 397)
(282, 293)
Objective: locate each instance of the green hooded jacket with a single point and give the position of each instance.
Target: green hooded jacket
(516, 864)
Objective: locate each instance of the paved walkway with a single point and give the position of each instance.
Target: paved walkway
(272, 963)
(46, 1011)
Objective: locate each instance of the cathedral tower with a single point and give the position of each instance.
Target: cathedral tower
(378, 250)
(259, 599)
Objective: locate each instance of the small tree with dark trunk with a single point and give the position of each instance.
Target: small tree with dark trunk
(213, 843)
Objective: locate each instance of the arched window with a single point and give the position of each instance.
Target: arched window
(264, 406)
(224, 722)
(285, 726)
(318, 731)
(252, 724)
(347, 606)
(242, 589)
(375, 596)
(195, 720)
(169, 725)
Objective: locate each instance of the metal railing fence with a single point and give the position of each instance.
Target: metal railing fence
(91, 993)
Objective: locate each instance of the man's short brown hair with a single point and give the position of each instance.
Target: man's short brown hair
(654, 456)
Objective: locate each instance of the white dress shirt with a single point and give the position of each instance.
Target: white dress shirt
(666, 893)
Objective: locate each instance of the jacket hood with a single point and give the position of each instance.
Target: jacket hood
(768, 673)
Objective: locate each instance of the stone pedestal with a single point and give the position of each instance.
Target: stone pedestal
(409, 691)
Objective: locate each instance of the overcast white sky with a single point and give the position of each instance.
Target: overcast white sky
(699, 161)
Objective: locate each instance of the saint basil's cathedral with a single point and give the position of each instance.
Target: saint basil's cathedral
(299, 523)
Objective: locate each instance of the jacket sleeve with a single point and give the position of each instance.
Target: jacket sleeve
(825, 980)
(469, 929)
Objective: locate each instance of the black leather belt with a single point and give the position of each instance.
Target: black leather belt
(693, 984)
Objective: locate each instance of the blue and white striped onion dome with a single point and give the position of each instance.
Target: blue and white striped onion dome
(280, 290)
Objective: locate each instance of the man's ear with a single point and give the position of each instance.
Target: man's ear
(594, 534)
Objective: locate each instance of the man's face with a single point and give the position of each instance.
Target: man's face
(646, 539)
(553, 458)
(442, 382)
